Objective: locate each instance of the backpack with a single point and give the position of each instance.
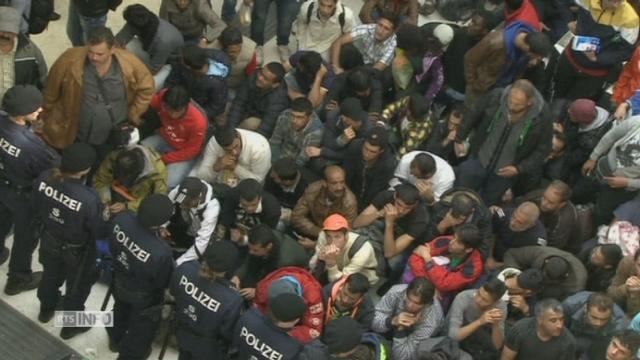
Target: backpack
(375, 237)
(41, 11)
(340, 17)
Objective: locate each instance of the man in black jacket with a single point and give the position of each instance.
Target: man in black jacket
(340, 130)
(260, 99)
(203, 72)
(370, 166)
(360, 83)
(512, 137)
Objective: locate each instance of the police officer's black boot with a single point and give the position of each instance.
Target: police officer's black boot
(16, 285)
(68, 332)
(45, 315)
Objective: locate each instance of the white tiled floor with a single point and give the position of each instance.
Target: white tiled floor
(53, 42)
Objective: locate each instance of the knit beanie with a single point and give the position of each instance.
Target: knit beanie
(155, 210)
(583, 111)
(77, 157)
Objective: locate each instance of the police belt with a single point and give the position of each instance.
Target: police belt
(133, 295)
(63, 245)
(181, 325)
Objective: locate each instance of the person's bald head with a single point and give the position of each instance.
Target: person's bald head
(334, 177)
(524, 217)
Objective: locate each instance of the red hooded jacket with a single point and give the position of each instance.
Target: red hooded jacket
(527, 13)
(185, 135)
(312, 323)
(445, 278)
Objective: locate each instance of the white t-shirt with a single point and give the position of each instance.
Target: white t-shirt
(441, 181)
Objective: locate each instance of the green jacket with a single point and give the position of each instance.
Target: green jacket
(152, 180)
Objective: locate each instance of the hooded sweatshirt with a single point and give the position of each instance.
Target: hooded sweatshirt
(621, 146)
(503, 138)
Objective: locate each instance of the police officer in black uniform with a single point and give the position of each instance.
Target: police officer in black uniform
(71, 216)
(259, 336)
(142, 269)
(23, 156)
(207, 304)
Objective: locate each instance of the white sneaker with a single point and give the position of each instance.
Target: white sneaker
(284, 52)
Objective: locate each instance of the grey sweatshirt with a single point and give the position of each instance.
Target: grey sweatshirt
(621, 145)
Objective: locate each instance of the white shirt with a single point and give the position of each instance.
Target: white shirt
(206, 226)
(441, 181)
(319, 34)
(254, 161)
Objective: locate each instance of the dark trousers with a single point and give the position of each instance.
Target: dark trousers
(16, 206)
(76, 267)
(572, 84)
(134, 327)
(608, 200)
(286, 12)
(471, 174)
(228, 10)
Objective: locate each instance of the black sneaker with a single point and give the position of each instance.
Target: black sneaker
(68, 332)
(46, 315)
(54, 16)
(15, 286)
(4, 255)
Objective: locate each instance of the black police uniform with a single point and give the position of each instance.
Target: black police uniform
(23, 156)
(71, 215)
(142, 269)
(257, 337)
(206, 313)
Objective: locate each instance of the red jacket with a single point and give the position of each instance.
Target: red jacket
(629, 80)
(185, 135)
(312, 323)
(443, 277)
(527, 13)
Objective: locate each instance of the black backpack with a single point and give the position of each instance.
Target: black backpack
(41, 11)
(340, 17)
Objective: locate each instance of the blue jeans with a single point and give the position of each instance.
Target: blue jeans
(178, 170)
(228, 10)
(287, 10)
(78, 26)
(471, 174)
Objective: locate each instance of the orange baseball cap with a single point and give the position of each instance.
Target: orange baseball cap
(335, 222)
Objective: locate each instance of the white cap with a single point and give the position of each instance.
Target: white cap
(444, 33)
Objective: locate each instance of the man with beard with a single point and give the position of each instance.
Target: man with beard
(558, 215)
(85, 100)
(515, 228)
(24, 59)
(541, 337)
(268, 250)
(348, 297)
(322, 198)
(512, 137)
